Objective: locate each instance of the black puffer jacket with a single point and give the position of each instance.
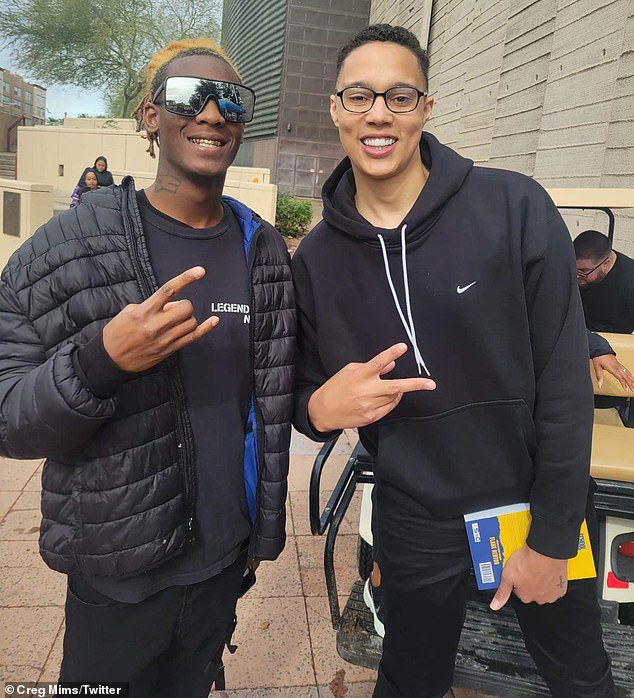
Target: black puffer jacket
(118, 484)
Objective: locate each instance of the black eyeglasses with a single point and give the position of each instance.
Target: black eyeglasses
(586, 274)
(187, 96)
(399, 100)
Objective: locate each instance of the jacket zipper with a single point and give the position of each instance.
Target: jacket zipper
(258, 417)
(147, 289)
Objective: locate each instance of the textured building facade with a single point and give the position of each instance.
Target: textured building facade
(545, 87)
(286, 51)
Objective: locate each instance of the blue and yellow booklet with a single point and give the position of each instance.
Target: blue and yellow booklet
(494, 534)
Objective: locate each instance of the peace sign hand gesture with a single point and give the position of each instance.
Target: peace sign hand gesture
(144, 334)
(357, 395)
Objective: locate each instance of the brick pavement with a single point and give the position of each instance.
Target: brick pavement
(286, 645)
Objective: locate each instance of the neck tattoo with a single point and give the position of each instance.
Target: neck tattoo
(166, 182)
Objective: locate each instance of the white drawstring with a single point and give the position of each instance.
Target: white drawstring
(409, 327)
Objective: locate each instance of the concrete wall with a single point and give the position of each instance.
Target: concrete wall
(415, 15)
(35, 207)
(57, 155)
(544, 87)
(105, 124)
(29, 204)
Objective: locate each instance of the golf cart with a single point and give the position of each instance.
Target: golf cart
(491, 656)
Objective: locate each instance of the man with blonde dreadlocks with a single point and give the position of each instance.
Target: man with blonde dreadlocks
(146, 351)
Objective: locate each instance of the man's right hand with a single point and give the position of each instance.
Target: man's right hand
(144, 334)
(357, 395)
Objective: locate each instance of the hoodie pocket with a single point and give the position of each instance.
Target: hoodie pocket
(463, 460)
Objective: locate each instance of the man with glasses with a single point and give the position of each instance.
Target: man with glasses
(606, 283)
(427, 267)
(146, 350)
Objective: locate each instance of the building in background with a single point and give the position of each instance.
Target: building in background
(543, 87)
(21, 103)
(286, 51)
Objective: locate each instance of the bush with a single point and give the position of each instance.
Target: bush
(292, 215)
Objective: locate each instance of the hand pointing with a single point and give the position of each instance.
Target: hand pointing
(144, 334)
(357, 395)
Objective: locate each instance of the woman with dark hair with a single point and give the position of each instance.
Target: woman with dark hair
(104, 176)
(90, 182)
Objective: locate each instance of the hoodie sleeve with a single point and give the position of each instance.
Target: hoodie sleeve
(309, 371)
(599, 346)
(563, 401)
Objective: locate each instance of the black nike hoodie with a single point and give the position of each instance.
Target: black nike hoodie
(479, 281)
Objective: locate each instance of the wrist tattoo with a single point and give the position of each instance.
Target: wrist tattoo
(561, 583)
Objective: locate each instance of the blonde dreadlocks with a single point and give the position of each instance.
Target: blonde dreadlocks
(157, 67)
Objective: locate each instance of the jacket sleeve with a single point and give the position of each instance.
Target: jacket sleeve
(563, 410)
(45, 407)
(598, 345)
(309, 370)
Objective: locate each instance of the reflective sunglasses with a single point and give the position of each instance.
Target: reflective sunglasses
(187, 96)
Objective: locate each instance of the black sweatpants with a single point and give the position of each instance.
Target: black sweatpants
(423, 622)
(164, 646)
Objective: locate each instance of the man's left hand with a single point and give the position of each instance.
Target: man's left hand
(532, 577)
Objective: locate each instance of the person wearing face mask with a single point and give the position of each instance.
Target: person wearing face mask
(146, 351)
(439, 314)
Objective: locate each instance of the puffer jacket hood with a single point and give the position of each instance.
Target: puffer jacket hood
(448, 174)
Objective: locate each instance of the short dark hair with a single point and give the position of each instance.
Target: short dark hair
(388, 33)
(591, 244)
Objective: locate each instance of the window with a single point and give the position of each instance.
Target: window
(28, 96)
(17, 92)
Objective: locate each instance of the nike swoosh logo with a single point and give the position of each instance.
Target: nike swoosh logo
(464, 288)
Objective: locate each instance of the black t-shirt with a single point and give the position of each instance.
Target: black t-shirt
(609, 305)
(216, 374)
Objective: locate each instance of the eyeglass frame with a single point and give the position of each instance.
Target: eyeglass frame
(161, 88)
(420, 93)
(586, 274)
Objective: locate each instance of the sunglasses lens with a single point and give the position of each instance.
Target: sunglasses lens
(187, 97)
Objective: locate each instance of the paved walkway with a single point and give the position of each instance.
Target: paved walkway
(286, 645)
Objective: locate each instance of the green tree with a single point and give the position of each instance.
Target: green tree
(100, 44)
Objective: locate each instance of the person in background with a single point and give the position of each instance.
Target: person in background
(165, 427)
(428, 267)
(606, 283)
(104, 176)
(90, 183)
